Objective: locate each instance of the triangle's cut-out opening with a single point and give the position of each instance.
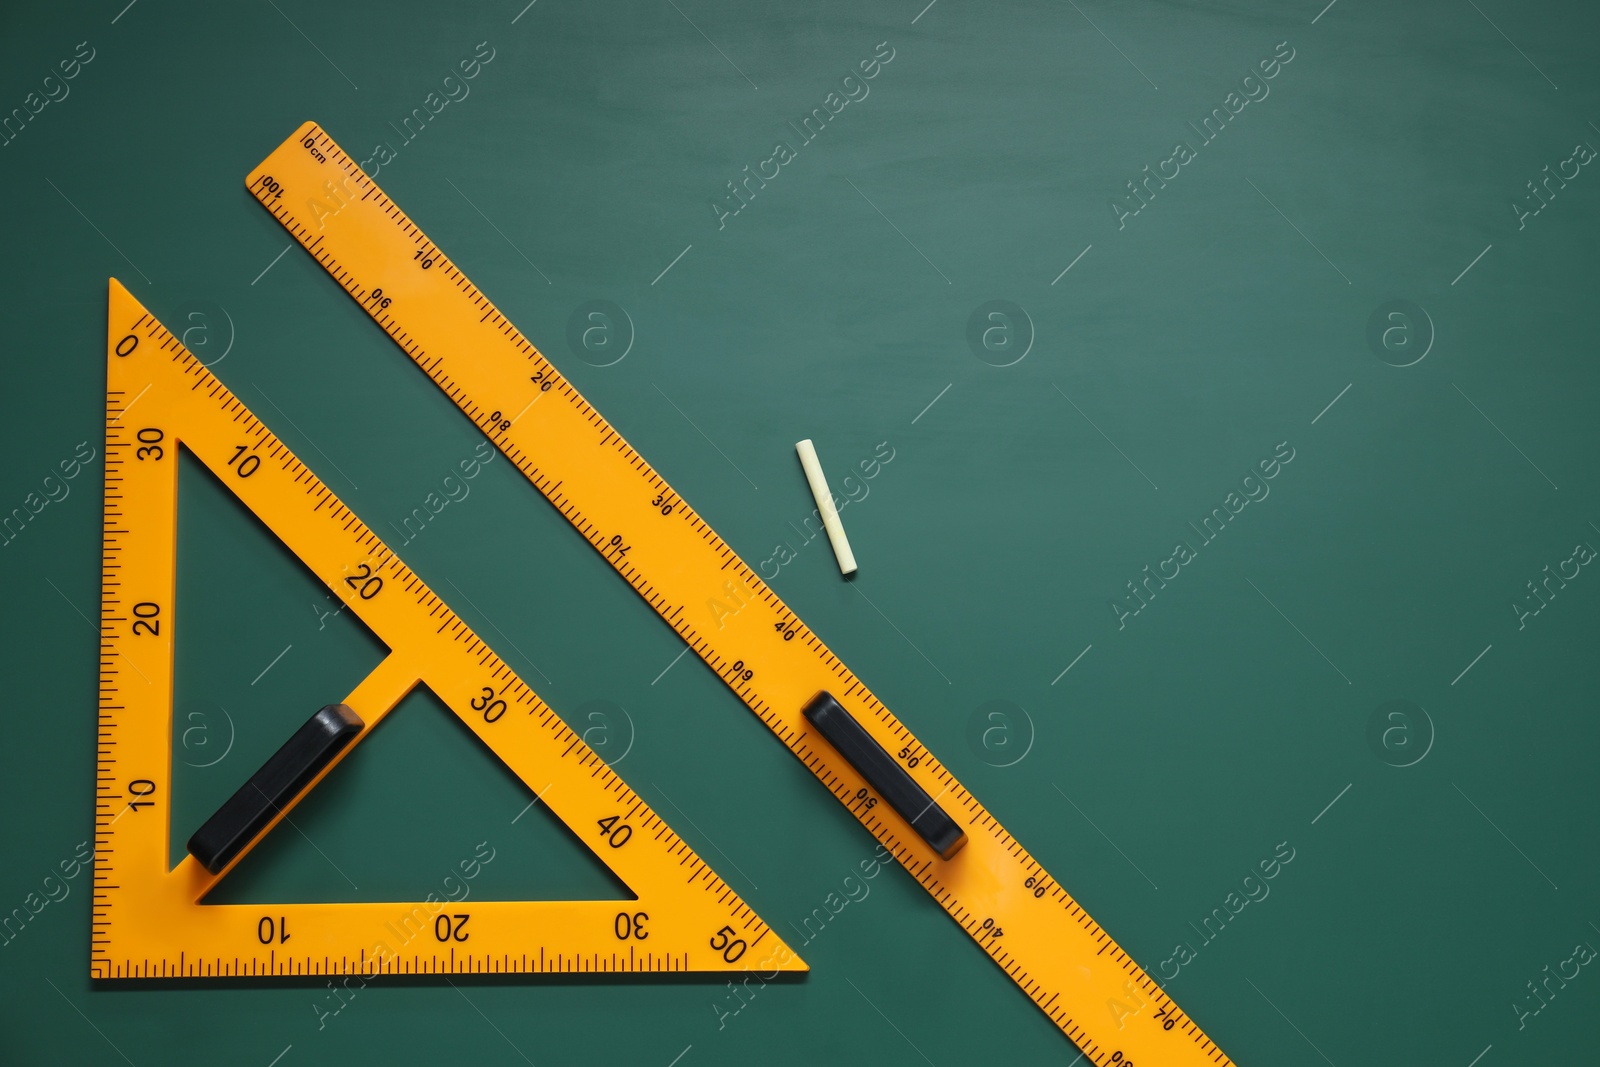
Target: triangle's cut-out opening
(420, 806)
(259, 645)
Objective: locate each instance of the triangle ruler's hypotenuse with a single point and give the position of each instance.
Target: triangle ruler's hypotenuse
(150, 920)
(998, 893)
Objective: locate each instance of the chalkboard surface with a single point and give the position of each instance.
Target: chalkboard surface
(1226, 374)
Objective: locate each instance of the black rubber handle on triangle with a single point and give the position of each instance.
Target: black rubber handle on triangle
(884, 775)
(280, 779)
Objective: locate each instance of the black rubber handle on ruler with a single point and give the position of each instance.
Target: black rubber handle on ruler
(884, 775)
(280, 779)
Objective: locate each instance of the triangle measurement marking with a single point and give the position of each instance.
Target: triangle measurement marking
(151, 921)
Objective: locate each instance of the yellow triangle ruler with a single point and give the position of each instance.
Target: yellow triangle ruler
(150, 920)
(1019, 915)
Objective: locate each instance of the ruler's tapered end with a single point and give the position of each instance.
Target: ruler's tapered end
(780, 958)
(118, 301)
(305, 135)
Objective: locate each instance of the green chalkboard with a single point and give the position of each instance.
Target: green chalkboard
(1235, 363)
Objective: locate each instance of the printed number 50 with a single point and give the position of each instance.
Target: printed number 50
(730, 946)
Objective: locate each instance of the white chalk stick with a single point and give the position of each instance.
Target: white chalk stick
(825, 508)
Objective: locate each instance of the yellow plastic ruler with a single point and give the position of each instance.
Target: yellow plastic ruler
(1017, 912)
(150, 919)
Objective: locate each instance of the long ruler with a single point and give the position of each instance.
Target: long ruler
(998, 893)
(151, 920)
